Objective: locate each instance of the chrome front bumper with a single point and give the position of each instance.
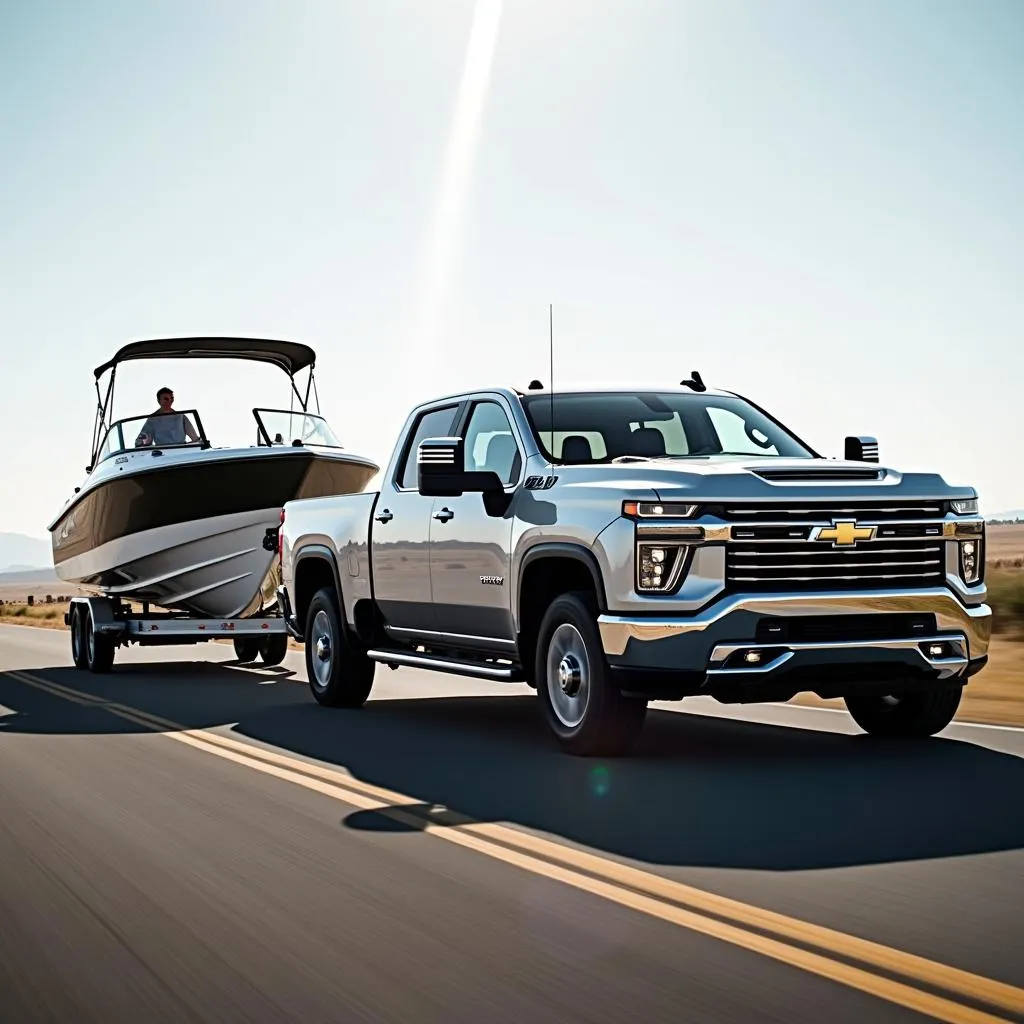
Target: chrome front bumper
(704, 642)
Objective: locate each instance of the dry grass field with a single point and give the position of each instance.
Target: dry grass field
(1006, 546)
(995, 696)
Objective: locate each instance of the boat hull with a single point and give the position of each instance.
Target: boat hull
(190, 535)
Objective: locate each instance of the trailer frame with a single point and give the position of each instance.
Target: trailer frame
(99, 625)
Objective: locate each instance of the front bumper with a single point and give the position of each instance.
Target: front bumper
(709, 647)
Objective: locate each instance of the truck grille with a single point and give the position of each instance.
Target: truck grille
(823, 512)
(754, 565)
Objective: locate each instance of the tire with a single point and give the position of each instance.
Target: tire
(340, 675)
(99, 647)
(918, 714)
(273, 649)
(595, 721)
(247, 649)
(78, 625)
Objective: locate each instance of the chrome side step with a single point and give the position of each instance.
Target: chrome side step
(434, 663)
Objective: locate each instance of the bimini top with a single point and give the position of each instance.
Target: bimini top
(290, 356)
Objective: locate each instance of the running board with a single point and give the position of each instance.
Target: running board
(479, 670)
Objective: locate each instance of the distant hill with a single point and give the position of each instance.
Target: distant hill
(28, 577)
(20, 552)
(1003, 517)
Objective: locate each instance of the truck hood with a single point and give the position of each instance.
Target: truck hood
(771, 479)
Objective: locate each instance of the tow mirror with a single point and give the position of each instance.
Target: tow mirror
(862, 449)
(441, 472)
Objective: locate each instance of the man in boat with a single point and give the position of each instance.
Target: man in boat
(166, 426)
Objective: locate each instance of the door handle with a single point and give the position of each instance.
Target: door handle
(444, 515)
(384, 516)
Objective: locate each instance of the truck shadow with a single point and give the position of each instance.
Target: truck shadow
(699, 791)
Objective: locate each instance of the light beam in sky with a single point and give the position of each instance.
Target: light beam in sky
(442, 241)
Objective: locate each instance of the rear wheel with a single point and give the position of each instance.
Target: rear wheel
(339, 674)
(247, 649)
(273, 648)
(582, 704)
(99, 647)
(922, 713)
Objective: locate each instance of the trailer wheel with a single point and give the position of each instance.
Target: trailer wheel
(78, 626)
(247, 649)
(340, 675)
(99, 647)
(273, 648)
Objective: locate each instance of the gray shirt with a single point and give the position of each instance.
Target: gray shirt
(167, 428)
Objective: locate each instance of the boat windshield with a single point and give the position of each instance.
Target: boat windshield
(178, 429)
(284, 426)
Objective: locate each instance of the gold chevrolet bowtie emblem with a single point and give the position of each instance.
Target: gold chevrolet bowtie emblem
(846, 533)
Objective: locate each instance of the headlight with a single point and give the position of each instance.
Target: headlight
(972, 560)
(965, 506)
(658, 510)
(658, 566)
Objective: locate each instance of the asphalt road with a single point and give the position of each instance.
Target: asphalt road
(189, 840)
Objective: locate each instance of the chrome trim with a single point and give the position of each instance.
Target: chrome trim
(947, 668)
(827, 512)
(507, 674)
(677, 530)
(940, 528)
(618, 631)
(821, 576)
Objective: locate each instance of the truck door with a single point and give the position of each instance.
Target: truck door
(470, 550)
(400, 535)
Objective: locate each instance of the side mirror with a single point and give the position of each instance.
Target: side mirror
(861, 449)
(441, 473)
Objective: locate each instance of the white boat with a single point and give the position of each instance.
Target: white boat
(183, 524)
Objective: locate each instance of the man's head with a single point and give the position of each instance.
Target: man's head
(165, 399)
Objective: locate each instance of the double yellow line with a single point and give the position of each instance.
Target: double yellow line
(904, 979)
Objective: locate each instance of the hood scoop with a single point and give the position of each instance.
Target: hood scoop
(817, 475)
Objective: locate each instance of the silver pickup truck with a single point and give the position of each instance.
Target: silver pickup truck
(612, 547)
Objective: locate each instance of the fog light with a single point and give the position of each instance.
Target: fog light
(752, 657)
(655, 566)
(937, 650)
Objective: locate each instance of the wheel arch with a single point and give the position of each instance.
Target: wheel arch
(547, 570)
(315, 566)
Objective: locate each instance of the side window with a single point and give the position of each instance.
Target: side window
(490, 443)
(435, 423)
(732, 434)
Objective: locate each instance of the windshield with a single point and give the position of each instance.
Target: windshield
(602, 427)
(176, 429)
(282, 426)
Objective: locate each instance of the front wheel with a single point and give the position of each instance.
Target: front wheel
(582, 704)
(922, 713)
(339, 675)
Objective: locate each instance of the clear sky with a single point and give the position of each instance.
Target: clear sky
(819, 205)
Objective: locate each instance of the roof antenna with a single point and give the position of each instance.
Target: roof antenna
(551, 382)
